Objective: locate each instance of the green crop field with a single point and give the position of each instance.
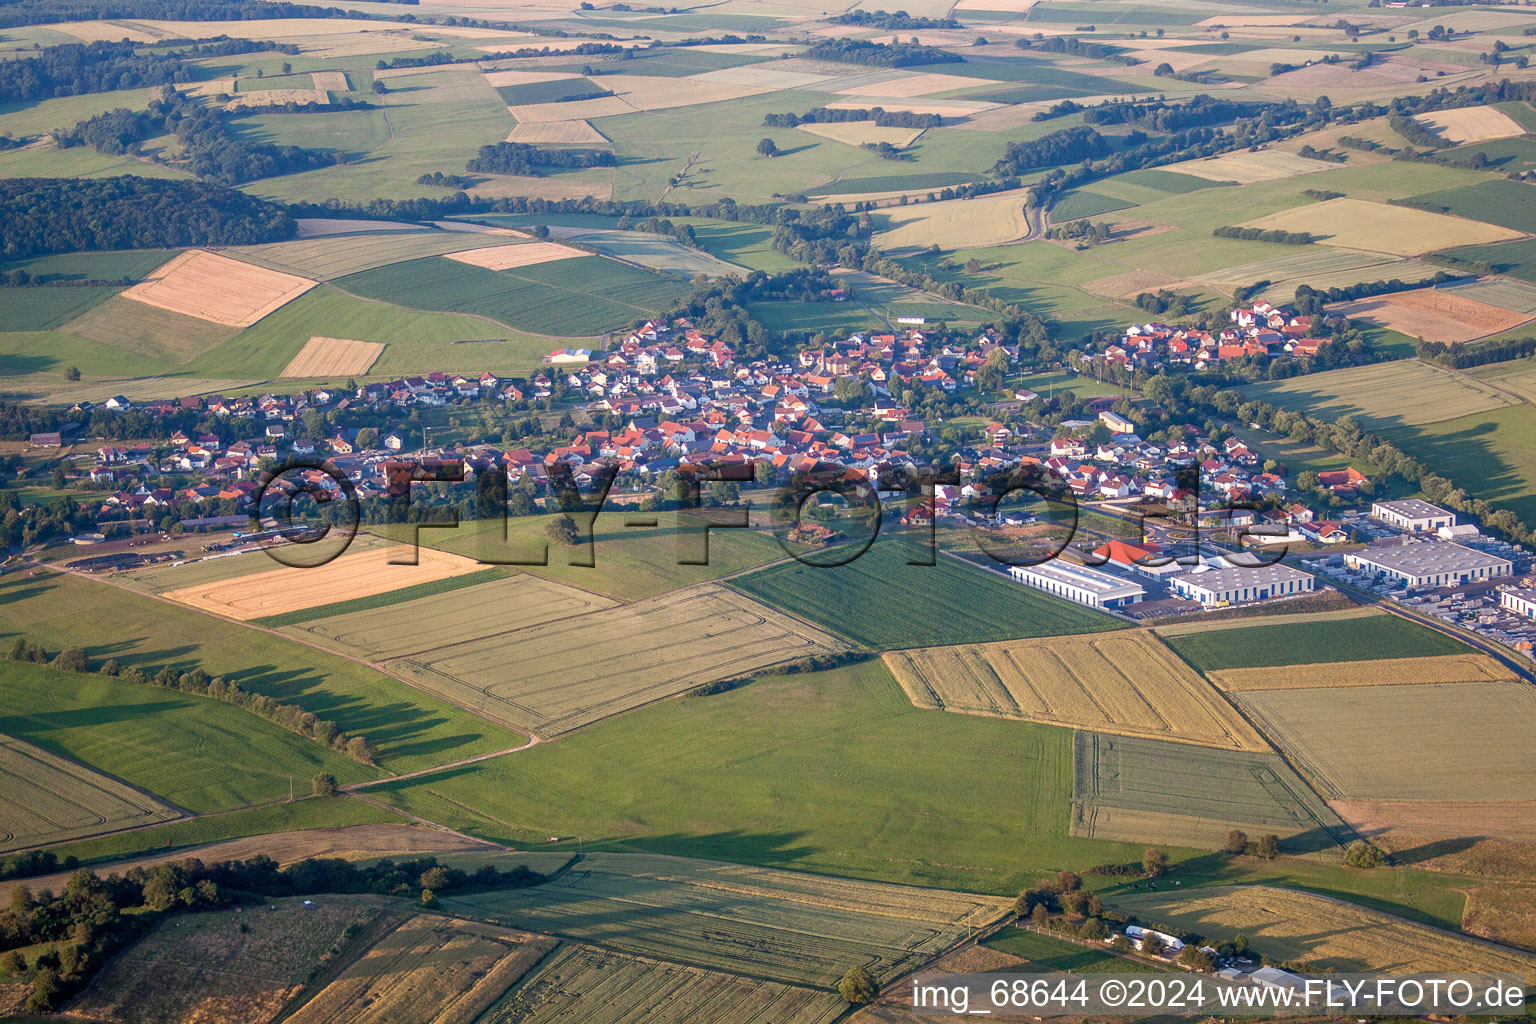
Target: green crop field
(1516, 259)
(373, 602)
(549, 92)
(1047, 954)
(410, 729)
(882, 602)
(628, 562)
(49, 799)
(1083, 203)
(331, 256)
(1306, 643)
(43, 309)
(1129, 789)
(194, 752)
(789, 927)
(566, 297)
(1497, 202)
(1349, 739)
(1399, 393)
(603, 987)
(1493, 454)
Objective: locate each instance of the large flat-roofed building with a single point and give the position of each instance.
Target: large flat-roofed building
(1241, 584)
(1079, 583)
(1412, 515)
(1433, 563)
(1521, 602)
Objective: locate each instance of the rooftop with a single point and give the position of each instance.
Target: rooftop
(1413, 508)
(1091, 580)
(1429, 557)
(1241, 576)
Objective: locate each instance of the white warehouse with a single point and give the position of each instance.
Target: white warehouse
(1079, 583)
(1429, 564)
(1412, 515)
(1521, 602)
(1241, 584)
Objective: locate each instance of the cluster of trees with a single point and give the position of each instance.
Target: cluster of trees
(114, 132)
(23, 524)
(523, 159)
(441, 180)
(94, 917)
(1164, 303)
(73, 69)
(884, 55)
(19, 278)
(898, 21)
(1068, 146)
(289, 716)
(432, 60)
(1263, 235)
(342, 103)
(1461, 357)
(1416, 133)
(1313, 153)
(1076, 47)
(882, 117)
(886, 151)
(209, 151)
(44, 12)
(1321, 195)
(1085, 231)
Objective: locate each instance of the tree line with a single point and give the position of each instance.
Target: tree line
(882, 117)
(883, 55)
(898, 20)
(1076, 47)
(43, 12)
(523, 159)
(1068, 146)
(73, 69)
(1265, 235)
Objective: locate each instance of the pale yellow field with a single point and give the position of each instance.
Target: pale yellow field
(575, 110)
(384, 74)
(908, 86)
(1245, 622)
(1017, 6)
(1286, 924)
(558, 133)
(1246, 168)
(1378, 227)
(858, 133)
(1180, 62)
(944, 108)
(645, 92)
(1402, 824)
(497, 79)
(104, 31)
(333, 357)
(766, 76)
(1471, 124)
(277, 96)
(215, 288)
(1125, 683)
(505, 257)
(957, 223)
(331, 81)
(288, 589)
(429, 970)
(212, 87)
(1443, 668)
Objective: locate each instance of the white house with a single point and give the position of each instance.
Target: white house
(1521, 602)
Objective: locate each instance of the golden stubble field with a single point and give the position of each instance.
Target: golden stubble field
(1443, 668)
(1124, 683)
(333, 357)
(48, 799)
(507, 257)
(216, 288)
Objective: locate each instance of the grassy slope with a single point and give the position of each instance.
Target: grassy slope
(1491, 454)
(411, 729)
(198, 753)
(1307, 643)
(881, 601)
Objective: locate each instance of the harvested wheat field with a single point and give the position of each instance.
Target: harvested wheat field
(1285, 924)
(1380, 227)
(277, 97)
(769, 75)
(331, 81)
(1125, 683)
(218, 289)
(944, 108)
(1254, 621)
(1471, 124)
(498, 79)
(907, 86)
(233, 968)
(648, 92)
(1398, 824)
(571, 110)
(333, 357)
(1432, 314)
(1443, 668)
(48, 799)
(1502, 913)
(351, 576)
(506, 257)
(556, 676)
(588, 984)
(428, 970)
(211, 87)
(1132, 283)
(558, 133)
(863, 133)
(956, 223)
(1247, 168)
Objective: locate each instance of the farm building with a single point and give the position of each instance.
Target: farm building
(1412, 515)
(1521, 602)
(566, 356)
(1137, 934)
(1079, 583)
(1241, 584)
(1429, 564)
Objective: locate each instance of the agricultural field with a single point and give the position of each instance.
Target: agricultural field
(333, 357)
(1497, 202)
(49, 799)
(557, 676)
(1491, 453)
(411, 729)
(507, 257)
(1247, 168)
(195, 753)
(1471, 124)
(881, 601)
(330, 256)
(956, 223)
(1399, 393)
(1503, 292)
(785, 926)
(564, 297)
(1319, 266)
(1513, 259)
(218, 289)
(433, 623)
(428, 970)
(1432, 314)
(1124, 683)
(236, 968)
(585, 983)
(1039, 952)
(1311, 642)
(863, 133)
(1378, 227)
(1131, 789)
(1348, 739)
(278, 591)
(1445, 668)
(1320, 931)
(1403, 826)
(650, 250)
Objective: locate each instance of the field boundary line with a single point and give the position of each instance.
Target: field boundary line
(477, 316)
(533, 741)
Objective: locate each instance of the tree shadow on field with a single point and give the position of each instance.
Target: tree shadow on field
(1437, 848)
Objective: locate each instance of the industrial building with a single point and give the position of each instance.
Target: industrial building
(1429, 564)
(1241, 584)
(1079, 584)
(1521, 602)
(1412, 515)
